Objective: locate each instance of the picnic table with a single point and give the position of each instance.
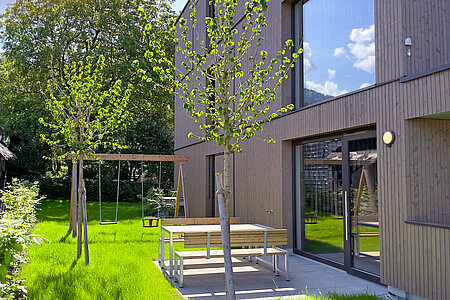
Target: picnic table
(173, 230)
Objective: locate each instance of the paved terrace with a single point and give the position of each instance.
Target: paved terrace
(206, 280)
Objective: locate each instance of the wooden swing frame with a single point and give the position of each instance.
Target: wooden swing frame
(123, 157)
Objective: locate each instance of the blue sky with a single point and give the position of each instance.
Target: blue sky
(178, 5)
(3, 5)
(339, 45)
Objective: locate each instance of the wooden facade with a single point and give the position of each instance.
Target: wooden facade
(411, 97)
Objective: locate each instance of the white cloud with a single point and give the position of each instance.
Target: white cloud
(328, 88)
(363, 48)
(364, 85)
(361, 35)
(307, 65)
(367, 64)
(331, 74)
(339, 52)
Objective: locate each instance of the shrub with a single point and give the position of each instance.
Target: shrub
(53, 187)
(20, 199)
(154, 202)
(14, 238)
(130, 191)
(19, 218)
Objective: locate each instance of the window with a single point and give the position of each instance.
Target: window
(338, 41)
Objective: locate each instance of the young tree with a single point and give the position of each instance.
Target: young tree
(84, 117)
(229, 53)
(38, 38)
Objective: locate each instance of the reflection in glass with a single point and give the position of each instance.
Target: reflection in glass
(338, 41)
(364, 205)
(321, 184)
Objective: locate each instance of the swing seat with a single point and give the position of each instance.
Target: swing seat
(150, 222)
(310, 220)
(108, 223)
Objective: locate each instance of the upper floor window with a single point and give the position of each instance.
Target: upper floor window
(338, 39)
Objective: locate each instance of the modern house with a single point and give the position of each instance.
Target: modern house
(360, 173)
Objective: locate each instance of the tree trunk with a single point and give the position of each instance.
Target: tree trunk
(224, 212)
(80, 207)
(86, 247)
(74, 198)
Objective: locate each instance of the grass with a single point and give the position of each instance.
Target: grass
(121, 265)
(327, 237)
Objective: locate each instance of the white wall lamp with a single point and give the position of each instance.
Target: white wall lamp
(388, 138)
(408, 44)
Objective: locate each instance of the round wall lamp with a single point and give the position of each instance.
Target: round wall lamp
(389, 138)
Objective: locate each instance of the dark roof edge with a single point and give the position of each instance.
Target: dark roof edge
(182, 11)
(425, 73)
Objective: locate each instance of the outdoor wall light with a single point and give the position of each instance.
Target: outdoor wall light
(408, 44)
(389, 138)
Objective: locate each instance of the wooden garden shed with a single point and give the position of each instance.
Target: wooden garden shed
(5, 155)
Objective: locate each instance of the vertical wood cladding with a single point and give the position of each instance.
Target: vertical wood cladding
(427, 23)
(429, 192)
(389, 49)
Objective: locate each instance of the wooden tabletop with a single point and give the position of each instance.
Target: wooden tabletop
(180, 229)
(369, 224)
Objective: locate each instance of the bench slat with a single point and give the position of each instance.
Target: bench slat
(235, 243)
(368, 234)
(234, 253)
(197, 221)
(237, 239)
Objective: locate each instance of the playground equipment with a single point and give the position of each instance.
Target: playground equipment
(147, 222)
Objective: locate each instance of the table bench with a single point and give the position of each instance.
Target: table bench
(185, 221)
(268, 240)
(364, 221)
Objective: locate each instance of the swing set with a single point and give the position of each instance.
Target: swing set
(146, 221)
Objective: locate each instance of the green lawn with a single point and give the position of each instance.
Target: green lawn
(121, 263)
(327, 237)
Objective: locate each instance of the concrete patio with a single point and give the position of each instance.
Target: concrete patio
(206, 280)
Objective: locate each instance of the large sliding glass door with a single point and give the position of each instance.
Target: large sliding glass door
(337, 203)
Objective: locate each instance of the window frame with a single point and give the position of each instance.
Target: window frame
(300, 65)
(301, 86)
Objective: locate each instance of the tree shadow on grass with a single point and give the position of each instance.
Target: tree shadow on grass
(64, 238)
(73, 264)
(318, 247)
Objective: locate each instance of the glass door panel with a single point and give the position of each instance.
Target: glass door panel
(363, 204)
(319, 185)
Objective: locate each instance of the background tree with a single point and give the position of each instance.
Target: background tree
(230, 53)
(40, 37)
(84, 117)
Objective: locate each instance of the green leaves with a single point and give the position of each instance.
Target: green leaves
(224, 87)
(3, 273)
(85, 114)
(13, 240)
